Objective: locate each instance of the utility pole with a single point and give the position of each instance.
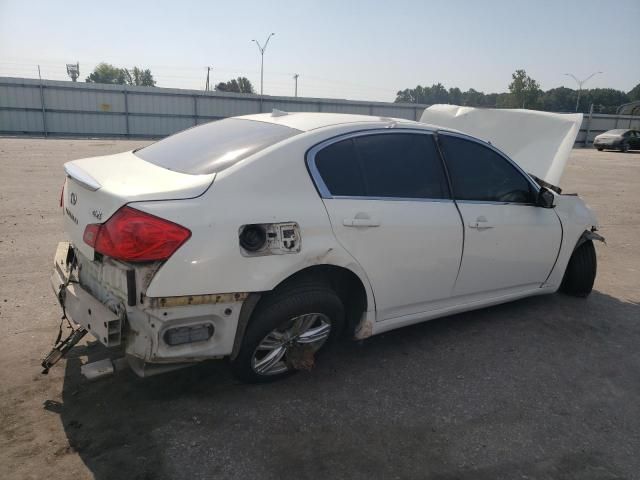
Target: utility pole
(580, 83)
(208, 86)
(262, 49)
(44, 114)
(295, 78)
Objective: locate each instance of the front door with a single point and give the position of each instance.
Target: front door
(390, 208)
(511, 244)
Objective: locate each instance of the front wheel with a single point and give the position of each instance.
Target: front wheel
(286, 331)
(624, 148)
(581, 271)
(600, 149)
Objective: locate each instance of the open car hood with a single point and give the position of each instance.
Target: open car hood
(539, 142)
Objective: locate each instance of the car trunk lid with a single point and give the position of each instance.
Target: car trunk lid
(97, 187)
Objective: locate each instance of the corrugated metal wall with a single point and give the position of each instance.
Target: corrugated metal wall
(59, 108)
(84, 109)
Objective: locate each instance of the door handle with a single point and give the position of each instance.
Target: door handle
(360, 220)
(481, 223)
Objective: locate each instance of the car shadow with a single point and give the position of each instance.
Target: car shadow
(496, 393)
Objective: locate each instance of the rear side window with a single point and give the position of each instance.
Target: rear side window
(479, 173)
(401, 166)
(214, 146)
(384, 166)
(339, 169)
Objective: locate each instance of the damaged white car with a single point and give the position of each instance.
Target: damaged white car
(263, 238)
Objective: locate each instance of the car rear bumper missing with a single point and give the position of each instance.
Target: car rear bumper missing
(156, 334)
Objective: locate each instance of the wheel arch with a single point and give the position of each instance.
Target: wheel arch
(354, 291)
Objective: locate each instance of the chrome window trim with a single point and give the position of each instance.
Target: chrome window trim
(322, 188)
(492, 202)
(392, 199)
(536, 187)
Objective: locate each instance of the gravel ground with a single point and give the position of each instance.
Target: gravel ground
(543, 388)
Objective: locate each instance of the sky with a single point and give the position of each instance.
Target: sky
(361, 50)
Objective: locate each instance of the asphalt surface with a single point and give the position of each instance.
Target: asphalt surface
(543, 388)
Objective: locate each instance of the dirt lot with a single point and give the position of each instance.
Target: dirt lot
(543, 388)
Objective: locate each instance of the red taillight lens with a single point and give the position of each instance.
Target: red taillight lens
(134, 236)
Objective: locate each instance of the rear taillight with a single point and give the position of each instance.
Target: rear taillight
(134, 236)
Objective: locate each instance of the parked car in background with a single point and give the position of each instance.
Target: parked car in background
(263, 238)
(622, 139)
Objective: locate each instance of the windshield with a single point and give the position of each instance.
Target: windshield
(214, 146)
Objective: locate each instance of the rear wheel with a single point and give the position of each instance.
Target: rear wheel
(581, 271)
(624, 148)
(286, 331)
(600, 149)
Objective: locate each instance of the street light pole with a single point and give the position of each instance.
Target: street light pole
(580, 83)
(262, 49)
(208, 86)
(295, 77)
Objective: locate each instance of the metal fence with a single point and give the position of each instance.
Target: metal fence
(62, 108)
(57, 108)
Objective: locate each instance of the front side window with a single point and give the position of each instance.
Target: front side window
(398, 165)
(479, 173)
(214, 146)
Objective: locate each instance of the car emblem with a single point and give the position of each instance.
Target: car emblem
(73, 198)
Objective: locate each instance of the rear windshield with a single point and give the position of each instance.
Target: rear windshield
(618, 131)
(214, 146)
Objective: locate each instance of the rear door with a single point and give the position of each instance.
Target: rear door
(510, 243)
(389, 204)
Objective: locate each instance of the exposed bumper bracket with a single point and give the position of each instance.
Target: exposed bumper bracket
(62, 348)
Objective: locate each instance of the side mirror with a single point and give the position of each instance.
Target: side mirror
(545, 198)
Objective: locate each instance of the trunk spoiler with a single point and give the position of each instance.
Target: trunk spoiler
(539, 142)
(81, 177)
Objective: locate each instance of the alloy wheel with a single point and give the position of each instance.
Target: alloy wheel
(276, 351)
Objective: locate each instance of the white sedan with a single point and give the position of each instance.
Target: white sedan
(264, 238)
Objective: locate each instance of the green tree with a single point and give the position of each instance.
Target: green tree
(524, 90)
(473, 98)
(561, 99)
(634, 93)
(107, 73)
(405, 96)
(455, 96)
(140, 77)
(237, 85)
(604, 100)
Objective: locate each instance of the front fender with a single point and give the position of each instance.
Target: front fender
(579, 224)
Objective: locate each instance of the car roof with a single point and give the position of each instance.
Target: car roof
(619, 130)
(306, 121)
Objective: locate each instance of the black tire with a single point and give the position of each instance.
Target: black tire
(581, 271)
(275, 311)
(600, 149)
(624, 148)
